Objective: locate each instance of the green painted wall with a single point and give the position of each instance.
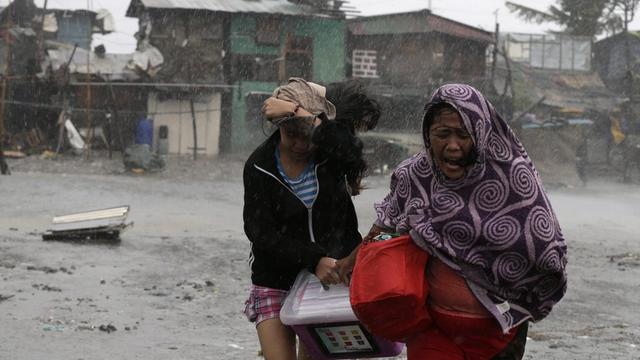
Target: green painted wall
(242, 37)
(329, 46)
(329, 55)
(240, 133)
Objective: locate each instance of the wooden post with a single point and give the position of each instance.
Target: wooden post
(195, 131)
(116, 118)
(88, 107)
(7, 70)
(61, 120)
(494, 59)
(65, 100)
(40, 54)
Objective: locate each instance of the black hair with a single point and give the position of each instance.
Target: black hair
(354, 107)
(357, 112)
(435, 111)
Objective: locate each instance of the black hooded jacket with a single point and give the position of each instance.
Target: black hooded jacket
(285, 235)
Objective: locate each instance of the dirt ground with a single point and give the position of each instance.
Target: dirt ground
(174, 287)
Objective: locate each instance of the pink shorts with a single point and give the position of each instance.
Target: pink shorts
(264, 303)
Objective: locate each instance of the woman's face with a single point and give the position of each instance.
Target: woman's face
(451, 144)
(295, 141)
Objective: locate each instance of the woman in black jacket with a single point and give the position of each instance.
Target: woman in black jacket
(298, 212)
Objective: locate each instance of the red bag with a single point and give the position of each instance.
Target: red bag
(388, 290)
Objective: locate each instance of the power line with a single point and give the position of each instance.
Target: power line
(104, 111)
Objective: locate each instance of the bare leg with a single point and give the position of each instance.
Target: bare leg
(278, 342)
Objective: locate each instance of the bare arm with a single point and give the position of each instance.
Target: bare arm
(274, 108)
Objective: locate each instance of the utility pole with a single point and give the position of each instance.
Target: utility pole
(88, 89)
(40, 54)
(494, 58)
(6, 70)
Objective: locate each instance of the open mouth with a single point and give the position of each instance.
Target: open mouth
(455, 162)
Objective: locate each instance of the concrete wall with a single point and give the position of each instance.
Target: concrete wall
(176, 114)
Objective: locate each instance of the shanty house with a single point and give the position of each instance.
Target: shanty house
(30, 60)
(610, 60)
(76, 26)
(223, 55)
(560, 103)
(403, 57)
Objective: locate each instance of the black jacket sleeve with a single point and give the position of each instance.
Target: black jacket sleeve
(262, 229)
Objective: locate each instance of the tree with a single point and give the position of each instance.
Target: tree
(582, 17)
(577, 17)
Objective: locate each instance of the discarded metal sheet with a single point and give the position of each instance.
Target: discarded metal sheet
(105, 224)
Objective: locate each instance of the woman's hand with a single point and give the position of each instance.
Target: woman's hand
(273, 108)
(345, 266)
(327, 271)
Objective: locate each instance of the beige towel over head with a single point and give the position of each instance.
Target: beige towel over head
(310, 96)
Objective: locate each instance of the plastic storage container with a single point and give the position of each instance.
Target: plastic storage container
(324, 321)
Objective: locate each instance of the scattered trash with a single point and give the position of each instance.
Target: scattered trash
(5, 297)
(140, 156)
(173, 348)
(104, 224)
(45, 269)
(75, 140)
(626, 259)
(45, 287)
(235, 346)
(85, 328)
(48, 154)
(13, 229)
(11, 154)
(53, 327)
(107, 328)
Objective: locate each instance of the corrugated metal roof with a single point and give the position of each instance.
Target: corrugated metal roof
(232, 6)
(416, 22)
(575, 90)
(113, 65)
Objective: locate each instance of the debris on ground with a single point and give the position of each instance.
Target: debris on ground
(139, 158)
(107, 328)
(14, 154)
(105, 225)
(45, 287)
(5, 297)
(53, 327)
(44, 269)
(48, 154)
(626, 259)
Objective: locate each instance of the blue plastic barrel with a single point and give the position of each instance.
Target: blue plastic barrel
(144, 132)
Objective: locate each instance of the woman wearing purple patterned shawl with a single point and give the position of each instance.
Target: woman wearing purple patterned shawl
(474, 201)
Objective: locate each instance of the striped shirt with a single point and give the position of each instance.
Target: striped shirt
(305, 186)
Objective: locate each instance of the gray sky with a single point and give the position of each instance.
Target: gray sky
(480, 13)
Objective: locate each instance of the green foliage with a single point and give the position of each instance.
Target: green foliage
(582, 17)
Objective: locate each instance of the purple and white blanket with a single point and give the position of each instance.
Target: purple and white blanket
(494, 226)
